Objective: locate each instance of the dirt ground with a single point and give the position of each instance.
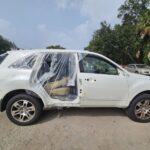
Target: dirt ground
(76, 129)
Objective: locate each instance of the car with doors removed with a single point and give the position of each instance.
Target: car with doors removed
(36, 80)
(139, 68)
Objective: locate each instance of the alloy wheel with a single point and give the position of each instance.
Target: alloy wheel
(142, 110)
(23, 110)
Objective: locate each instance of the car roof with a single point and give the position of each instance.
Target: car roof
(33, 51)
(47, 50)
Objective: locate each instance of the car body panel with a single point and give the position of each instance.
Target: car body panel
(103, 91)
(100, 91)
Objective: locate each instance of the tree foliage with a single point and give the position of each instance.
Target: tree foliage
(55, 47)
(143, 29)
(130, 11)
(6, 45)
(121, 42)
(118, 43)
(143, 26)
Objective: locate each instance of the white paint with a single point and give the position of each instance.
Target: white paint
(100, 91)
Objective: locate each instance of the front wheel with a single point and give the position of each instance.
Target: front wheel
(23, 109)
(139, 109)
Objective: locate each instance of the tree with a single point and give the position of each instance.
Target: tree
(119, 43)
(100, 37)
(130, 11)
(143, 30)
(55, 47)
(143, 26)
(122, 43)
(6, 45)
(137, 13)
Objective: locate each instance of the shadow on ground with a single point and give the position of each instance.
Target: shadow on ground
(91, 112)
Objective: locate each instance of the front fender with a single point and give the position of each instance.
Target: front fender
(137, 88)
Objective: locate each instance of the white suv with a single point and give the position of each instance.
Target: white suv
(34, 80)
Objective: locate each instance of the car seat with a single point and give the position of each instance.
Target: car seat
(58, 87)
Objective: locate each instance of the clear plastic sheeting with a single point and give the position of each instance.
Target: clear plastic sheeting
(24, 63)
(57, 74)
(2, 57)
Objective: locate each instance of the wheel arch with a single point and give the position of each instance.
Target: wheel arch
(8, 96)
(141, 93)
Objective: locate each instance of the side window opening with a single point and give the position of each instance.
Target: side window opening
(24, 63)
(58, 75)
(97, 65)
(2, 57)
(45, 66)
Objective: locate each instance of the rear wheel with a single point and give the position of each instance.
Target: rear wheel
(23, 109)
(139, 109)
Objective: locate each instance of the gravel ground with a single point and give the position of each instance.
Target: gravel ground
(76, 129)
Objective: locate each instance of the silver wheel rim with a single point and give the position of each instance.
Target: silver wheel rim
(142, 110)
(23, 110)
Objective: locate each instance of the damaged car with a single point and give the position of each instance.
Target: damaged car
(37, 80)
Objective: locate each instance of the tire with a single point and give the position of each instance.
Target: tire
(139, 109)
(23, 109)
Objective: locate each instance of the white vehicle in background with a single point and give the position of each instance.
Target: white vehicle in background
(35, 80)
(139, 68)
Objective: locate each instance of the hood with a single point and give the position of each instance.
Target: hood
(139, 76)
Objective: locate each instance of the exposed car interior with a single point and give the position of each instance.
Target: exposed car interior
(58, 76)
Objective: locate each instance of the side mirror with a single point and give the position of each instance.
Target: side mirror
(123, 73)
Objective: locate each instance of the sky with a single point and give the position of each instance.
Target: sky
(35, 24)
